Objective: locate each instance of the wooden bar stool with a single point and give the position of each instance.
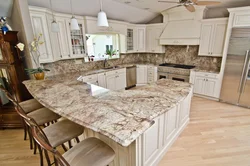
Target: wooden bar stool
(89, 152)
(56, 134)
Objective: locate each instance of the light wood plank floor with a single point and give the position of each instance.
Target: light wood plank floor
(217, 135)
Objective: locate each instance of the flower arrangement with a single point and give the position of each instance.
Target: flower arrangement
(35, 54)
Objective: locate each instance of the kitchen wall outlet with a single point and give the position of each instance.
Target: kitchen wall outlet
(215, 60)
(156, 55)
(78, 61)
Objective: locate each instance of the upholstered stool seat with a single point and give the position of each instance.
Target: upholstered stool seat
(30, 105)
(90, 152)
(43, 116)
(62, 131)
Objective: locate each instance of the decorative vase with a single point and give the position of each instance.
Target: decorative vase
(39, 76)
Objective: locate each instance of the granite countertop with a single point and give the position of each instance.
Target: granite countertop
(120, 115)
(206, 70)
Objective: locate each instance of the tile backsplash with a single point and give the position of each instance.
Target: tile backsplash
(174, 54)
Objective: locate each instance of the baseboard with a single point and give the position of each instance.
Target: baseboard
(206, 97)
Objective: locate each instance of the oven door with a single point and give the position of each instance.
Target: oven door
(181, 78)
(163, 75)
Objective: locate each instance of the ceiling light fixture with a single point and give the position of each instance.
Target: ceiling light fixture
(54, 25)
(102, 20)
(74, 23)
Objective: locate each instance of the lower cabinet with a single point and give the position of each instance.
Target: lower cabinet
(101, 78)
(206, 84)
(116, 80)
(146, 74)
(166, 129)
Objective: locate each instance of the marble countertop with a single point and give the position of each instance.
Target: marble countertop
(120, 115)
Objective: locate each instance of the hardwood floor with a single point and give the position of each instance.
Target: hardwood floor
(217, 135)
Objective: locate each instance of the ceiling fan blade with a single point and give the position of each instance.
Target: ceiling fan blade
(167, 1)
(173, 7)
(190, 8)
(205, 3)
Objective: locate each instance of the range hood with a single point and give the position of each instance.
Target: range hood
(182, 27)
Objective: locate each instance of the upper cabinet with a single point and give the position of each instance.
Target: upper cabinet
(65, 44)
(153, 33)
(40, 26)
(136, 38)
(213, 35)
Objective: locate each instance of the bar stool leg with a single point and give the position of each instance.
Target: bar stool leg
(30, 138)
(41, 155)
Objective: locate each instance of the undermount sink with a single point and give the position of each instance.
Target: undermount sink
(114, 67)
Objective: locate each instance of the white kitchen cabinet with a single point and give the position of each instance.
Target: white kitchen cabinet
(40, 26)
(92, 79)
(136, 38)
(141, 38)
(206, 84)
(116, 80)
(141, 74)
(102, 80)
(213, 37)
(171, 124)
(77, 40)
(153, 33)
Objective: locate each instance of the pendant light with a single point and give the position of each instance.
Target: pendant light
(74, 23)
(102, 20)
(54, 25)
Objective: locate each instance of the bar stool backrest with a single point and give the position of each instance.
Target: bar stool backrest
(29, 121)
(40, 139)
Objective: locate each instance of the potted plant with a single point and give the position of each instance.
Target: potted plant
(35, 54)
(110, 52)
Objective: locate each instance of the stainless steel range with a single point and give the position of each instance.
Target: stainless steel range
(174, 71)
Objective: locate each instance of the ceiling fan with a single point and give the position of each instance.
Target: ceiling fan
(189, 4)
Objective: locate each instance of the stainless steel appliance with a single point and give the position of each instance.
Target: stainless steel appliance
(131, 76)
(236, 80)
(174, 71)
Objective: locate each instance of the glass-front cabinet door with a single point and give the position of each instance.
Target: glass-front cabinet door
(77, 41)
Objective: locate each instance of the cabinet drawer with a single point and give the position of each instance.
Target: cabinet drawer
(150, 80)
(90, 77)
(207, 75)
(150, 74)
(119, 71)
(151, 68)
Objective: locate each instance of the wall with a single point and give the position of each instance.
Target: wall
(174, 54)
(20, 21)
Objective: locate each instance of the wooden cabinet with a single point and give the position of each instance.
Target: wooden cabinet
(213, 37)
(116, 80)
(102, 80)
(76, 40)
(153, 33)
(65, 44)
(136, 38)
(206, 84)
(40, 26)
(141, 74)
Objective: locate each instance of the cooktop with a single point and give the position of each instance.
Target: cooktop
(177, 66)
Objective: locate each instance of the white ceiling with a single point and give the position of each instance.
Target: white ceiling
(6, 8)
(155, 6)
(114, 10)
(137, 11)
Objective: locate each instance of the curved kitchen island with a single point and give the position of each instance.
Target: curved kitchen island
(140, 125)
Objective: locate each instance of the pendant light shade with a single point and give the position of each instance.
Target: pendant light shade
(74, 24)
(102, 19)
(54, 26)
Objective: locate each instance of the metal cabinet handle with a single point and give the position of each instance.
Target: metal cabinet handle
(69, 55)
(61, 56)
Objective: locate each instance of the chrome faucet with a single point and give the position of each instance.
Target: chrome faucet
(105, 62)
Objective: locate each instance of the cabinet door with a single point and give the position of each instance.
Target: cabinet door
(141, 74)
(157, 47)
(141, 42)
(209, 87)
(111, 82)
(130, 40)
(77, 40)
(199, 85)
(150, 39)
(171, 124)
(102, 80)
(206, 38)
(40, 26)
(120, 81)
(63, 38)
(218, 39)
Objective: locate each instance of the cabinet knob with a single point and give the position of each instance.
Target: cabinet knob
(69, 55)
(61, 56)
